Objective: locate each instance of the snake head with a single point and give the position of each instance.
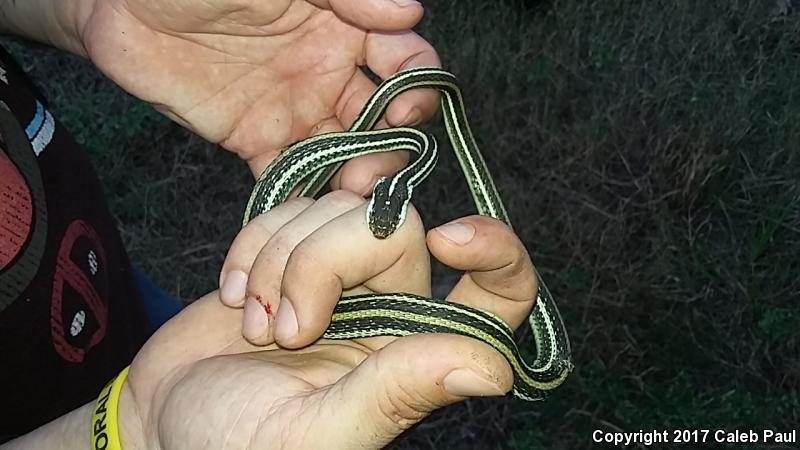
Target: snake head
(387, 208)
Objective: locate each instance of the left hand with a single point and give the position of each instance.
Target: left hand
(258, 75)
(197, 383)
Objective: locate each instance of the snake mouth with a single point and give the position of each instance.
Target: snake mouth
(380, 231)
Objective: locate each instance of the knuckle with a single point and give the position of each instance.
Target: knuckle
(280, 244)
(244, 249)
(519, 267)
(300, 202)
(258, 229)
(517, 279)
(400, 405)
(304, 258)
(342, 199)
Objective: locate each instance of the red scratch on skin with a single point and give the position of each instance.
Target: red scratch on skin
(267, 306)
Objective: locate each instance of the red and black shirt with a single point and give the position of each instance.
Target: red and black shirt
(70, 317)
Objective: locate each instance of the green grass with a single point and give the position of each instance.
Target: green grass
(648, 153)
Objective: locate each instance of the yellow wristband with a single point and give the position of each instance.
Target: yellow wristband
(105, 433)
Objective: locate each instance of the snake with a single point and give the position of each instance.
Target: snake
(312, 162)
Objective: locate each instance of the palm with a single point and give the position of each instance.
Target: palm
(221, 392)
(252, 79)
(290, 403)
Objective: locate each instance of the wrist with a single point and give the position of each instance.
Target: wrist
(58, 23)
(115, 422)
(129, 422)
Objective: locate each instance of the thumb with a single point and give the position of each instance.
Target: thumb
(404, 382)
(378, 15)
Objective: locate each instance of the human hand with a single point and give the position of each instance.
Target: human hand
(256, 76)
(197, 382)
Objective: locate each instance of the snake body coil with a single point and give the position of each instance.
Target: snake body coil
(314, 161)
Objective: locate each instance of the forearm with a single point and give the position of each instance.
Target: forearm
(67, 432)
(53, 22)
(71, 431)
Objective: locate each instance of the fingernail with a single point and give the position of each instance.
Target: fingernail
(256, 320)
(234, 285)
(458, 232)
(285, 321)
(404, 3)
(468, 383)
(413, 116)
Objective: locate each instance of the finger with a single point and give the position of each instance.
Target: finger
(389, 53)
(264, 283)
(499, 277)
(355, 95)
(384, 15)
(401, 384)
(245, 247)
(339, 256)
(360, 174)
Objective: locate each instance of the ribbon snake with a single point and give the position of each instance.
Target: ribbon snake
(314, 161)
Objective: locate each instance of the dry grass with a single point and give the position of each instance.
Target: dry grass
(648, 152)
